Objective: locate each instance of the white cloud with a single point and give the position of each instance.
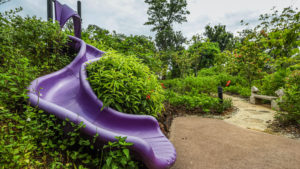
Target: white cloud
(128, 16)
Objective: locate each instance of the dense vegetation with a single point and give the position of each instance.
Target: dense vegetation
(29, 137)
(125, 84)
(266, 56)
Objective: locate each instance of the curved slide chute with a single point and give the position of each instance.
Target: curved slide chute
(67, 94)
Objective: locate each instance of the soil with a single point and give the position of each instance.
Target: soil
(170, 112)
(289, 130)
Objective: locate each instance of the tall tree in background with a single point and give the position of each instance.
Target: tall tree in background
(219, 34)
(3, 1)
(162, 14)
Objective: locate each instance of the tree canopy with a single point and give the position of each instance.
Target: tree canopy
(162, 14)
(219, 34)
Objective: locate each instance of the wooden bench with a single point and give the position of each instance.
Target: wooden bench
(256, 98)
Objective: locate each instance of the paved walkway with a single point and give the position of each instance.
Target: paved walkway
(250, 116)
(215, 144)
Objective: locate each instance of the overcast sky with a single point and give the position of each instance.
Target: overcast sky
(129, 16)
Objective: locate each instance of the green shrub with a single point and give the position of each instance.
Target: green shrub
(243, 91)
(29, 137)
(200, 84)
(118, 155)
(272, 82)
(204, 101)
(208, 71)
(291, 99)
(125, 84)
(30, 48)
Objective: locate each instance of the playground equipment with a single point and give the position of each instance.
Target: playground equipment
(67, 94)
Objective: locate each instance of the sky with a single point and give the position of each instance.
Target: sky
(129, 16)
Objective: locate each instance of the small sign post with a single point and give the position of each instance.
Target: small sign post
(220, 93)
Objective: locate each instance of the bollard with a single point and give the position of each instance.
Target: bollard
(220, 93)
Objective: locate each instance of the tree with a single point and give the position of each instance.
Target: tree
(280, 32)
(219, 34)
(162, 15)
(3, 1)
(203, 54)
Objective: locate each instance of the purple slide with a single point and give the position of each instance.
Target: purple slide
(67, 94)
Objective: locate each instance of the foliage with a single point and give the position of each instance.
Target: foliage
(183, 61)
(3, 1)
(192, 84)
(219, 35)
(203, 101)
(203, 54)
(141, 46)
(196, 92)
(162, 14)
(29, 137)
(272, 82)
(280, 32)
(125, 84)
(30, 47)
(291, 99)
(238, 89)
(118, 155)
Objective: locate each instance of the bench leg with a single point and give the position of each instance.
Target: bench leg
(274, 105)
(253, 100)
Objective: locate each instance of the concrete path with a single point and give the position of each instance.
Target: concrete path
(215, 144)
(250, 116)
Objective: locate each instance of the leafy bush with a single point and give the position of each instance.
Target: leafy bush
(125, 84)
(243, 91)
(204, 101)
(222, 77)
(208, 71)
(291, 99)
(30, 48)
(29, 137)
(200, 84)
(272, 82)
(138, 45)
(118, 155)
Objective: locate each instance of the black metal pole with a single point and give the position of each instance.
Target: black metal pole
(79, 8)
(49, 10)
(220, 93)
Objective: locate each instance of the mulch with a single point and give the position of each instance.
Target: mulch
(285, 128)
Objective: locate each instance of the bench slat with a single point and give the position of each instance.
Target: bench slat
(265, 97)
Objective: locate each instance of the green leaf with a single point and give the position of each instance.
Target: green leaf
(126, 152)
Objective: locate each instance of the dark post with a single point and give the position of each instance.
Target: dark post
(49, 10)
(79, 8)
(220, 93)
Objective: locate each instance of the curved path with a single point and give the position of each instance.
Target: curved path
(250, 116)
(214, 144)
(230, 144)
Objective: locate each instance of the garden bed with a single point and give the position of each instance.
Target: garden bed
(287, 129)
(166, 117)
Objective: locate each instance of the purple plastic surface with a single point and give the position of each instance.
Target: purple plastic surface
(63, 13)
(67, 94)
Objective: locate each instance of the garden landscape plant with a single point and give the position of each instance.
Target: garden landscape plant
(29, 137)
(126, 84)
